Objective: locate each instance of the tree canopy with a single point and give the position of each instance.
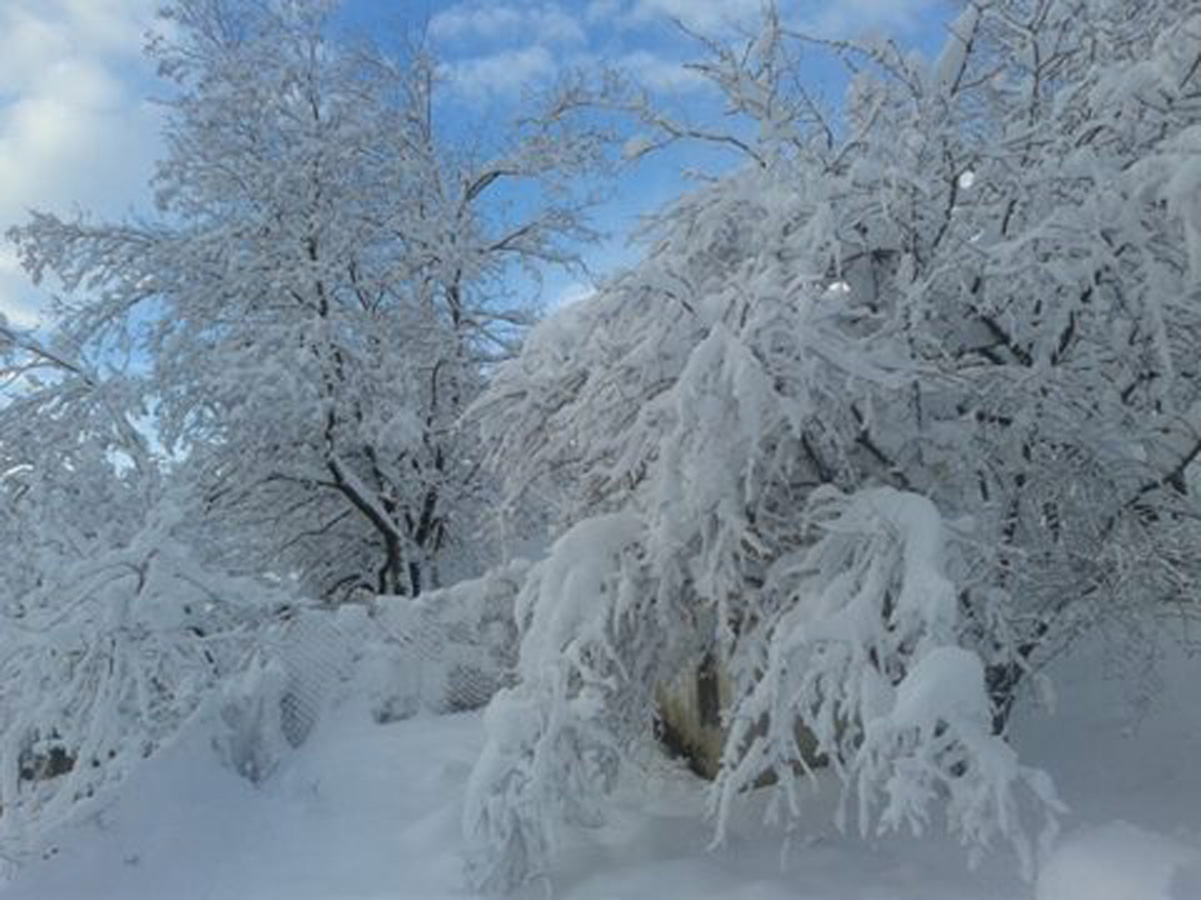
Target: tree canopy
(885, 418)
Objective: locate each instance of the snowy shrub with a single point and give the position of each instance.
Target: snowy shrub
(102, 665)
(556, 738)
(854, 639)
(861, 646)
(885, 419)
(252, 739)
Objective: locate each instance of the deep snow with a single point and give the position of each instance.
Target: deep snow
(366, 812)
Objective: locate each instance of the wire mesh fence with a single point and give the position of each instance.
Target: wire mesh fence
(447, 651)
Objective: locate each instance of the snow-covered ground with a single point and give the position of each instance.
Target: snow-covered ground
(365, 811)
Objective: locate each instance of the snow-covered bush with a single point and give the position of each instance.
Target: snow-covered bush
(557, 738)
(114, 632)
(859, 641)
(853, 636)
(886, 417)
(103, 664)
(251, 738)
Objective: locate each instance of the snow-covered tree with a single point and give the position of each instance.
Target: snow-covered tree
(252, 395)
(114, 634)
(314, 302)
(886, 417)
(75, 472)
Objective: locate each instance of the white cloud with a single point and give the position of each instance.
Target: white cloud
(709, 16)
(660, 73)
(470, 21)
(502, 74)
(827, 17)
(540, 23)
(603, 10)
(851, 18)
(74, 125)
(16, 302)
(499, 48)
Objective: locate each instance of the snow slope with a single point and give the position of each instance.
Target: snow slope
(366, 811)
(1131, 776)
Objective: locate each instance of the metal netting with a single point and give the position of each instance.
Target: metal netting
(449, 650)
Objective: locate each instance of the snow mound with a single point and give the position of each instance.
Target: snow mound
(1121, 861)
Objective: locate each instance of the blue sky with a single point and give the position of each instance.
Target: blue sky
(78, 127)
